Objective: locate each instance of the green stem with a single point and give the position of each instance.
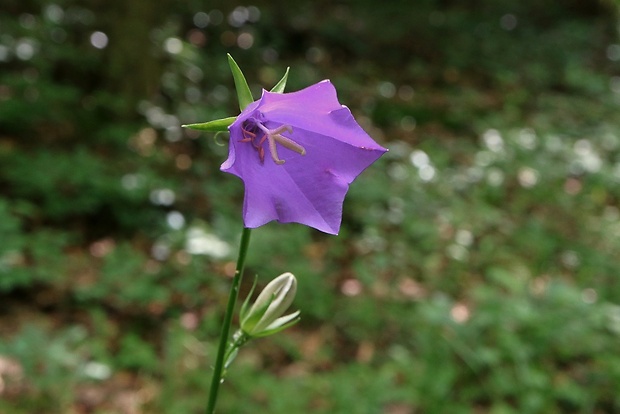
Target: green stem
(230, 309)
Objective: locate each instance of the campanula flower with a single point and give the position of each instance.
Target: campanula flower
(297, 153)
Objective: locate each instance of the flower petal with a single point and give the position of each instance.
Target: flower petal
(307, 189)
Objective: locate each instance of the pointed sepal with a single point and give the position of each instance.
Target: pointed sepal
(217, 125)
(279, 87)
(243, 90)
(280, 324)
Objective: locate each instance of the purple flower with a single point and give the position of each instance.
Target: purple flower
(297, 153)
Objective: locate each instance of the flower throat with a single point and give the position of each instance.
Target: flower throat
(256, 133)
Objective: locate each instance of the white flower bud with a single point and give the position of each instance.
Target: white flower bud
(265, 316)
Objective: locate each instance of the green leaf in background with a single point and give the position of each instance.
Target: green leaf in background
(279, 87)
(243, 90)
(217, 125)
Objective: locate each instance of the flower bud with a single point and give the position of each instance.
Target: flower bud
(265, 316)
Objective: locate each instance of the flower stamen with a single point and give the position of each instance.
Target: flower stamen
(273, 137)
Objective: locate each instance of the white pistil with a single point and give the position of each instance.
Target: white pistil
(275, 135)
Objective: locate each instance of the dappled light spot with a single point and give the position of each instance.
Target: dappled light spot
(351, 287)
(183, 162)
(25, 48)
(131, 181)
(173, 133)
(410, 288)
(173, 45)
(245, 40)
(528, 177)
(365, 352)
(10, 369)
(495, 177)
(162, 197)
(253, 14)
(508, 22)
(197, 38)
(427, 173)
(220, 93)
(189, 321)
(97, 370)
(614, 84)
(538, 286)
(229, 269)
(238, 16)
(370, 242)
(474, 174)
(419, 158)
(613, 314)
(4, 53)
(484, 158)
(616, 171)
(396, 211)
(54, 13)
(160, 250)
(406, 92)
(201, 20)
(613, 52)
(270, 55)
(398, 408)
(460, 313)
(11, 258)
(570, 259)
(216, 17)
(199, 242)
(493, 140)
(611, 213)
(175, 220)
(553, 143)
(27, 21)
(193, 94)
(587, 159)
(315, 54)
(99, 40)
(572, 186)
(386, 89)
(589, 295)
(464, 237)
(526, 138)
(407, 123)
(143, 141)
(398, 172)
(183, 258)
(458, 252)
(102, 248)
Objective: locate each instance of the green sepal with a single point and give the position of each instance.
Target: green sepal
(217, 125)
(279, 88)
(268, 332)
(245, 307)
(250, 322)
(244, 95)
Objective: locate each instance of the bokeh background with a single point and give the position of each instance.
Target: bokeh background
(477, 268)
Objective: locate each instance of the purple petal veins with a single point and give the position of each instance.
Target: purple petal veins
(308, 172)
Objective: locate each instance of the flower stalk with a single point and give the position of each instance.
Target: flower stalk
(218, 368)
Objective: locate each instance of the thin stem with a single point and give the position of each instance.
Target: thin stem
(230, 308)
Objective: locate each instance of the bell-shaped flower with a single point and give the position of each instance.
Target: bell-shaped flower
(297, 153)
(265, 316)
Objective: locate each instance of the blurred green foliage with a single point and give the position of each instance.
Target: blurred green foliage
(476, 269)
